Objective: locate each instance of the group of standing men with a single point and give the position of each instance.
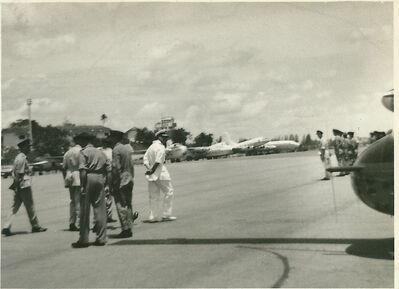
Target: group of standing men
(93, 176)
(345, 150)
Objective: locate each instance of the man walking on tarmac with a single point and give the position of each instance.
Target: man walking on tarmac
(158, 180)
(22, 191)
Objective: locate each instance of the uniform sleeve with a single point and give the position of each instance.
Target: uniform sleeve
(20, 164)
(160, 156)
(116, 159)
(146, 163)
(82, 161)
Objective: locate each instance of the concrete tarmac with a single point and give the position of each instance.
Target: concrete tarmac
(263, 221)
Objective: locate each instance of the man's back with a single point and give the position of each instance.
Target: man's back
(71, 159)
(122, 162)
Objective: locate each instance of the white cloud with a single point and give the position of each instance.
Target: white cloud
(161, 51)
(307, 85)
(151, 110)
(7, 84)
(44, 46)
(42, 109)
(225, 103)
(253, 109)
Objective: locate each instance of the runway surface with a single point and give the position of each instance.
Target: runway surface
(264, 221)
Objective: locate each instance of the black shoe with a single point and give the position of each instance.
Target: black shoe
(110, 220)
(79, 244)
(73, 228)
(135, 215)
(98, 243)
(38, 229)
(125, 234)
(325, 179)
(6, 232)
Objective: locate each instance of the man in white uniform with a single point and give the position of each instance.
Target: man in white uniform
(158, 180)
(324, 153)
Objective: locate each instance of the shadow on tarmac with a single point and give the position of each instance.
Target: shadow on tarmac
(369, 248)
(19, 233)
(373, 248)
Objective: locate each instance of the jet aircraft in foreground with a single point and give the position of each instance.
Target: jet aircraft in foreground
(372, 174)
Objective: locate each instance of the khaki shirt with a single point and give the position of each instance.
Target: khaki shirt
(108, 155)
(122, 163)
(70, 164)
(92, 160)
(21, 166)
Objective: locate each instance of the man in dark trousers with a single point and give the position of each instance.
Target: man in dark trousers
(22, 191)
(123, 181)
(92, 168)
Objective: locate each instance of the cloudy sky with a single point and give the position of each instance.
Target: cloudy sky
(251, 69)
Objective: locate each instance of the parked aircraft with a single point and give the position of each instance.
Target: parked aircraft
(228, 147)
(372, 174)
(219, 150)
(176, 152)
(284, 145)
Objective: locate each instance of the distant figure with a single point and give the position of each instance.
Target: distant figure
(70, 172)
(352, 148)
(22, 191)
(123, 182)
(324, 153)
(158, 180)
(346, 154)
(92, 168)
(338, 149)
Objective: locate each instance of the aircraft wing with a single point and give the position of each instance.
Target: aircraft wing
(39, 163)
(198, 149)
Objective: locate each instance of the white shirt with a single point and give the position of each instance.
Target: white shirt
(323, 148)
(156, 154)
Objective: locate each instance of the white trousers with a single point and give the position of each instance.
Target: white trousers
(157, 211)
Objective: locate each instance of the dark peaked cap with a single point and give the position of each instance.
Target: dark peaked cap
(337, 131)
(319, 131)
(24, 143)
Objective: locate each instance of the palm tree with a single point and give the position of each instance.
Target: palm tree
(104, 118)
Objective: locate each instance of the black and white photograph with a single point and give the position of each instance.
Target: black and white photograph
(197, 144)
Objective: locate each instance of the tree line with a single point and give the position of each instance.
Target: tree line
(54, 141)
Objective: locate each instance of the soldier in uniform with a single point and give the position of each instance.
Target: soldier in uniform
(338, 149)
(346, 153)
(158, 180)
(324, 153)
(352, 148)
(22, 191)
(123, 182)
(70, 171)
(92, 168)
